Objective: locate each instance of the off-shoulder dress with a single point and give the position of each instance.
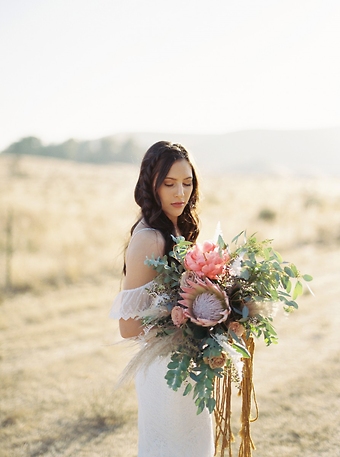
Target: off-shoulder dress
(168, 423)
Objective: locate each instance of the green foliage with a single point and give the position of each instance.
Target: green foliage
(263, 327)
(180, 249)
(220, 242)
(259, 275)
(266, 277)
(204, 387)
(178, 370)
(181, 368)
(169, 274)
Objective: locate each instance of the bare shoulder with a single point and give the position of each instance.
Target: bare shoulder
(144, 243)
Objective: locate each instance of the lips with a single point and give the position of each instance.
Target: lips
(178, 204)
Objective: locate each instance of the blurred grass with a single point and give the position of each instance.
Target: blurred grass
(69, 222)
(59, 360)
(59, 367)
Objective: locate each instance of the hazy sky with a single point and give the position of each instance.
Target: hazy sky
(86, 69)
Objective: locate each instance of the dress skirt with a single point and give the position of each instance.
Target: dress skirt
(168, 423)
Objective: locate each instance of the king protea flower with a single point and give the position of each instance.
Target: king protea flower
(205, 302)
(206, 259)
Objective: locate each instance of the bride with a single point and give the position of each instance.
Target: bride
(167, 193)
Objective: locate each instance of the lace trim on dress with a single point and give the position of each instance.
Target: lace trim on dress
(131, 302)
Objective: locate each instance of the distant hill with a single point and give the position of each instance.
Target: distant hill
(294, 152)
(300, 152)
(104, 150)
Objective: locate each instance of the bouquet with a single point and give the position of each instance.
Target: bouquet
(209, 302)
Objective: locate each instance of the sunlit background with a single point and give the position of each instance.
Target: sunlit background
(252, 89)
(91, 69)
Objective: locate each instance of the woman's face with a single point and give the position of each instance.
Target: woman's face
(176, 189)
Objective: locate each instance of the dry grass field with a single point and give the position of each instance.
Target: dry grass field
(63, 227)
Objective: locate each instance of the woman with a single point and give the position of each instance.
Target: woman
(167, 193)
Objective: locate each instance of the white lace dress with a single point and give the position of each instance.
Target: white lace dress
(167, 421)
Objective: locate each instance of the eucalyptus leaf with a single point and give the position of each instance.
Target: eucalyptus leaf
(245, 312)
(187, 389)
(289, 272)
(241, 349)
(193, 376)
(245, 274)
(307, 278)
(288, 285)
(298, 289)
(292, 304)
(200, 403)
(266, 253)
(220, 243)
(294, 270)
(173, 365)
(235, 239)
(211, 403)
(278, 256)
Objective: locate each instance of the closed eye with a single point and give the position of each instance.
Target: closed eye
(184, 184)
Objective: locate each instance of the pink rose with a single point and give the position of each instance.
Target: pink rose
(206, 259)
(237, 328)
(177, 315)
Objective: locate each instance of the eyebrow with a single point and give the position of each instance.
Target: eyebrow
(174, 179)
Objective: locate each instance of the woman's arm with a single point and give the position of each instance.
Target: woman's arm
(130, 328)
(144, 244)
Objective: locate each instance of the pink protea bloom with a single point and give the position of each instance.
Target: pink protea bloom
(206, 259)
(206, 303)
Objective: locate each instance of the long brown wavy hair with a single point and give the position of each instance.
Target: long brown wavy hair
(155, 166)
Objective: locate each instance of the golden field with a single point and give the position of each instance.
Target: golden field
(63, 227)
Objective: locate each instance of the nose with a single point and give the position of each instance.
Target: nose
(179, 190)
